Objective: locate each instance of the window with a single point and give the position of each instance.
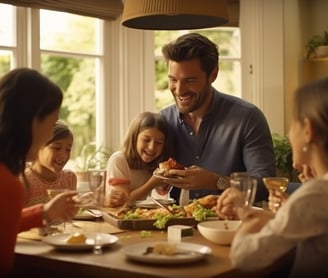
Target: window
(229, 78)
(7, 35)
(104, 70)
(70, 56)
(68, 52)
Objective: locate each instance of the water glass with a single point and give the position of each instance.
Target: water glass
(97, 179)
(243, 187)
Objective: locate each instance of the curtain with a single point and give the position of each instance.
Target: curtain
(103, 9)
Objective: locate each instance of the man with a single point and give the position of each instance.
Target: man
(215, 134)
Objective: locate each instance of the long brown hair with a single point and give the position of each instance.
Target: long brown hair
(311, 101)
(144, 121)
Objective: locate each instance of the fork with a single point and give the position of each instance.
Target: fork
(161, 205)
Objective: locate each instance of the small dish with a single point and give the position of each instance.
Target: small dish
(167, 177)
(219, 231)
(59, 241)
(186, 252)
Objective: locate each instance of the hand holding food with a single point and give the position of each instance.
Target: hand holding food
(165, 167)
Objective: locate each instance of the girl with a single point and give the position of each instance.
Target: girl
(302, 222)
(46, 172)
(129, 170)
(29, 108)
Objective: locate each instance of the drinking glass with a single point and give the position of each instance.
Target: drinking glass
(275, 184)
(55, 228)
(97, 180)
(243, 187)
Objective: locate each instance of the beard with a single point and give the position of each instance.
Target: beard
(194, 101)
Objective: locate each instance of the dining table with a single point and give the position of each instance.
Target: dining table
(36, 257)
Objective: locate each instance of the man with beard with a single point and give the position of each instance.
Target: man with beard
(215, 134)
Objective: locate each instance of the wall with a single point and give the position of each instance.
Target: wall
(302, 20)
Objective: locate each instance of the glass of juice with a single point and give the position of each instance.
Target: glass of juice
(274, 184)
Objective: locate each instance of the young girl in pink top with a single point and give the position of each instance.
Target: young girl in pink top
(46, 172)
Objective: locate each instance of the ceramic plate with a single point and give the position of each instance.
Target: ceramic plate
(151, 204)
(59, 241)
(166, 178)
(186, 252)
(84, 215)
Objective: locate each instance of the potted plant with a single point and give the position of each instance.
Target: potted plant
(317, 46)
(283, 155)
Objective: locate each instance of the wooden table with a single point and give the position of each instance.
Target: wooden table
(35, 257)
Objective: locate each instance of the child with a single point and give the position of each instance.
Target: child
(302, 222)
(130, 170)
(29, 108)
(46, 171)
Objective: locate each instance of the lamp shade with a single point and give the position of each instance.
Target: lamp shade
(174, 14)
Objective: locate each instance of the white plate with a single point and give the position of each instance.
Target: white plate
(194, 252)
(166, 178)
(59, 241)
(151, 204)
(85, 215)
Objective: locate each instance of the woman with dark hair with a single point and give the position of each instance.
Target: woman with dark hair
(29, 108)
(129, 170)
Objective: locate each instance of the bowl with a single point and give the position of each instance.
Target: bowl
(219, 231)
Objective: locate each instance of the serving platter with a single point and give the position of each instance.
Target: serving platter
(144, 224)
(148, 203)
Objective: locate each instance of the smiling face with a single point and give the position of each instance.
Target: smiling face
(55, 155)
(189, 84)
(150, 144)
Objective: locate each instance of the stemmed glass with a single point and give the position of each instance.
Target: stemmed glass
(275, 184)
(243, 188)
(97, 180)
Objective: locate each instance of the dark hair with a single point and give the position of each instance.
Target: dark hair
(25, 94)
(311, 101)
(193, 46)
(61, 131)
(144, 121)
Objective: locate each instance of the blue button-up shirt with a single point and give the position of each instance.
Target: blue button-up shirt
(233, 136)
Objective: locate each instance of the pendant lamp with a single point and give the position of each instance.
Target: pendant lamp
(174, 14)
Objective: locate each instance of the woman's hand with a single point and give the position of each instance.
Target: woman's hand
(306, 172)
(61, 208)
(225, 206)
(276, 199)
(254, 220)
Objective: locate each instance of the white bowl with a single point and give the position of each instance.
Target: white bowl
(216, 231)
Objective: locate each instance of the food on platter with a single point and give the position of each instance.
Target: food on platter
(76, 238)
(207, 202)
(165, 166)
(200, 209)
